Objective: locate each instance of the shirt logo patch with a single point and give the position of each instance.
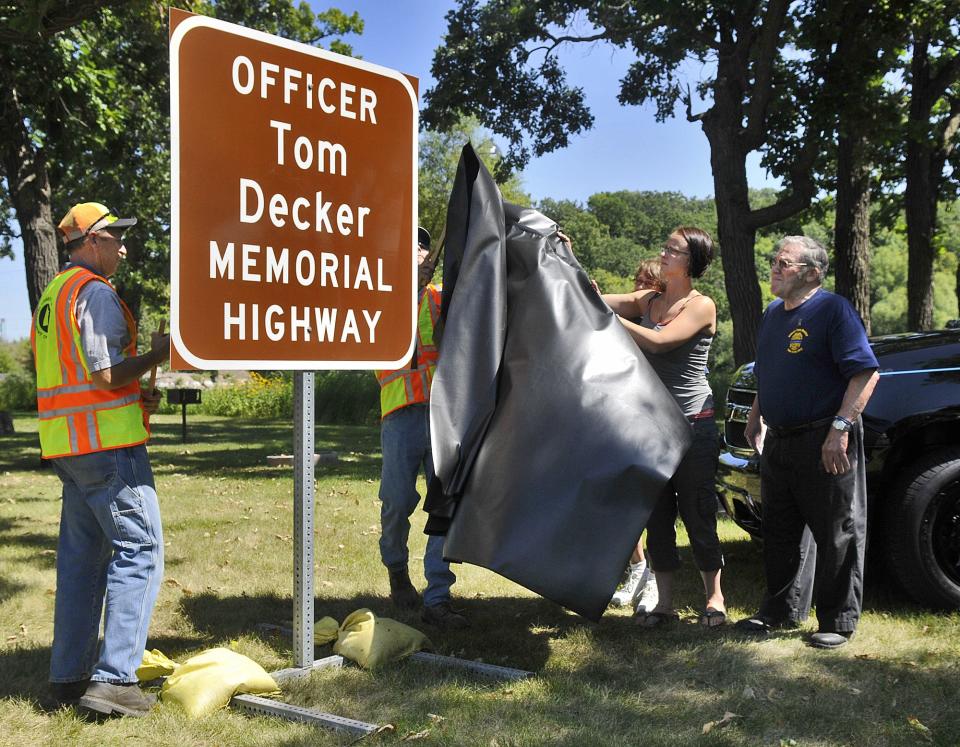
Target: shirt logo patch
(795, 344)
(43, 319)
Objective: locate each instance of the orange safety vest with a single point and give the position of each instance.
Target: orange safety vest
(410, 386)
(75, 416)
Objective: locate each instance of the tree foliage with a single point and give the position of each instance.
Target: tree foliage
(85, 112)
(439, 156)
(499, 62)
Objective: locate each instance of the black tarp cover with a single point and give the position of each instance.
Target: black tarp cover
(552, 436)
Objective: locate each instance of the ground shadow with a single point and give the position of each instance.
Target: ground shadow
(26, 669)
(43, 545)
(522, 626)
(357, 447)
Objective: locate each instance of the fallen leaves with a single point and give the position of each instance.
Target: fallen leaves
(177, 585)
(415, 735)
(728, 718)
(918, 727)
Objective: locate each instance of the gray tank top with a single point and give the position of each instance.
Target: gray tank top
(683, 370)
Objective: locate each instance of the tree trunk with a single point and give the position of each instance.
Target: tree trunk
(28, 183)
(737, 237)
(920, 196)
(852, 224)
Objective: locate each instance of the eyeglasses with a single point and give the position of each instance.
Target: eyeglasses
(782, 264)
(673, 251)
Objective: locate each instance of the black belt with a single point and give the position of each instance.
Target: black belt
(793, 430)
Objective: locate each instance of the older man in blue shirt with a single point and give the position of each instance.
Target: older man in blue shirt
(815, 373)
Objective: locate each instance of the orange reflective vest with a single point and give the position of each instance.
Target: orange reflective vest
(411, 386)
(75, 416)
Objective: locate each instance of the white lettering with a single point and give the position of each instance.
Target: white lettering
(362, 212)
(274, 330)
(255, 318)
(229, 321)
(326, 319)
(242, 62)
(266, 77)
(289, 84)
(250, 252)
(350, 327)
(305, 257)
(221, 263)
(325, 83)
(368, 104)
(278, 266)
(363, 274)
(280, 127)
(245, 215)
(278, 209)
(382, 286)
(298, 323)
(300, 202)
(372, 324)
(344, 219)
(328, 268)
(329, 156)
(303, 152)
(323, 220)
(346, 99)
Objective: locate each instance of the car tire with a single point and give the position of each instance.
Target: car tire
(922, 519)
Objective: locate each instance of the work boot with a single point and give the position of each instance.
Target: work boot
(444, 617)
(402, 593)
(125, 700)
(68, 693)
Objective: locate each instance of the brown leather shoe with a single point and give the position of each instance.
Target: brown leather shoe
(125, 700)
(444, 617)
(402, 593)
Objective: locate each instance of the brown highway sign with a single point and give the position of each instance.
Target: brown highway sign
(293, 204)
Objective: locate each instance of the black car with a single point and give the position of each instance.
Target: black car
(912, 446)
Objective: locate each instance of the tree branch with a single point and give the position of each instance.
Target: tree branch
(39, 21)
(753, 134)
(948, 142)
(944, 78)
(688, 100)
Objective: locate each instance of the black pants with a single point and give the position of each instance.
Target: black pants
(692, 492)
(796, 491)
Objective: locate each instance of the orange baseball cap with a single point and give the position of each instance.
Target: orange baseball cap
(86, 217)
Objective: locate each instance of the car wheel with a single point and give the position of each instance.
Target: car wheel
(923, 529)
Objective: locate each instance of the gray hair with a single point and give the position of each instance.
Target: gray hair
(812, 252)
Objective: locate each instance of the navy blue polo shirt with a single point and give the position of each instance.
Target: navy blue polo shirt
(806, 356)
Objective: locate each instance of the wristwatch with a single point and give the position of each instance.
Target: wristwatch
(840, 423)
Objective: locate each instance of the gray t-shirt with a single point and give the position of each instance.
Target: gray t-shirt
(103, 328)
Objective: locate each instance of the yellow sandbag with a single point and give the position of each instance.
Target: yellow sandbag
(373, 641)
(325, 630)
(155, 664)
(207, 681)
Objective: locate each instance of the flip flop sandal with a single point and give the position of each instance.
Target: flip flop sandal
(712, 618)
(658, 619)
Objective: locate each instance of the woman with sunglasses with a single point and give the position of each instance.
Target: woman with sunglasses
(674, 328)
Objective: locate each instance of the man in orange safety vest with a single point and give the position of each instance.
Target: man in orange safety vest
(93, 428)
(405, 442)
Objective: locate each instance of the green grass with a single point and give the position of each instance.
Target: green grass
(228, 526)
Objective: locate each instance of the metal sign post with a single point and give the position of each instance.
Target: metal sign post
(293, 227)
(303, 409)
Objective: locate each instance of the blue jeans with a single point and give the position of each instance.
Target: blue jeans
(405, 441)
(111, 545)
